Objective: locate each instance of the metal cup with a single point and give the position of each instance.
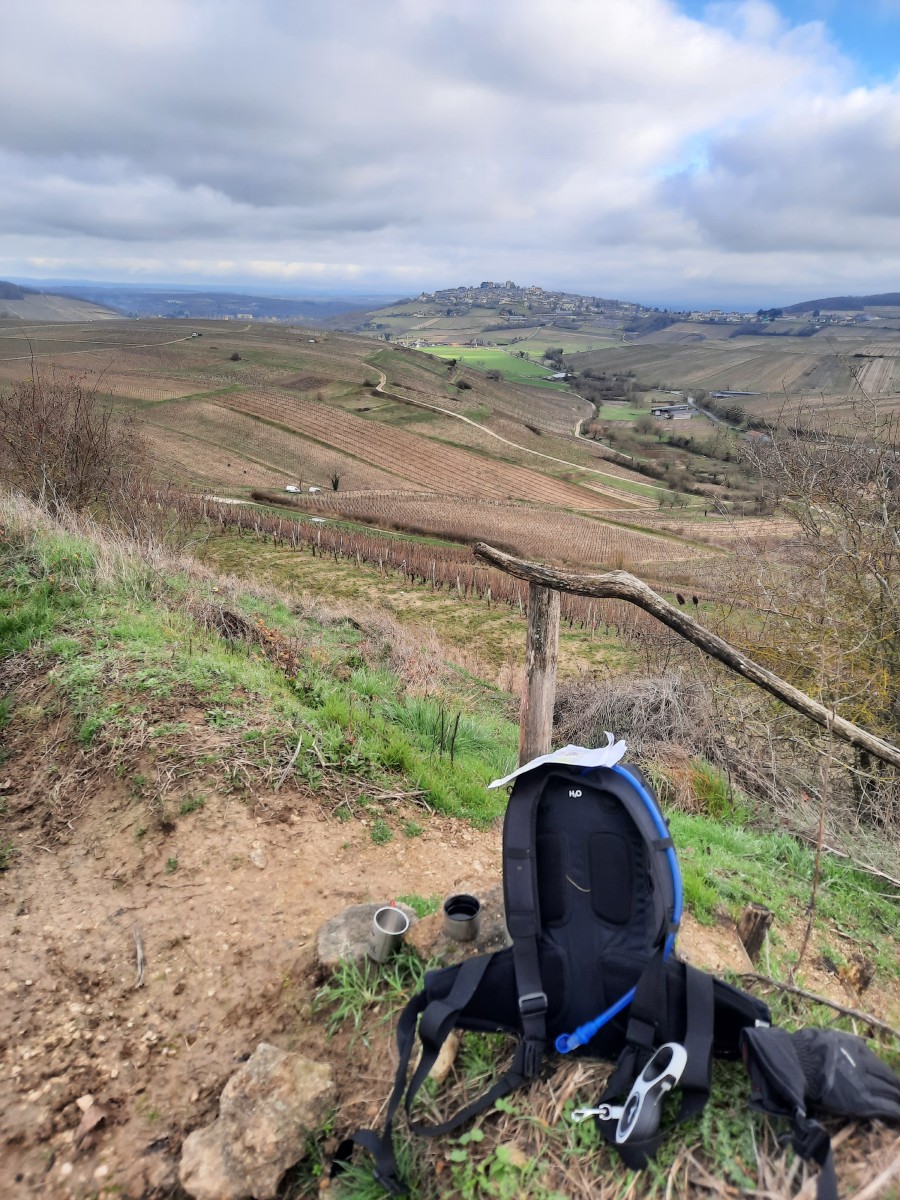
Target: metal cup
(389, 924)
(462, 917)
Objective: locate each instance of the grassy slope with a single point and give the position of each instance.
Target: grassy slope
(117, 634)
(116, 631)
(116, 638)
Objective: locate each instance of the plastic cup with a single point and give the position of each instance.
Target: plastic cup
(389, 924)
(462, 917)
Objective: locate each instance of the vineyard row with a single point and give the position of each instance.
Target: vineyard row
(437, 567)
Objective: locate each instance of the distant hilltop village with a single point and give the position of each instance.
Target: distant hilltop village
(522, 304)
(515, 305)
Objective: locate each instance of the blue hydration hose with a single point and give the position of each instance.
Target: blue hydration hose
(583, 1034)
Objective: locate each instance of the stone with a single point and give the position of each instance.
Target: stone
(347, 935)
(429, 940)
(266, 1111)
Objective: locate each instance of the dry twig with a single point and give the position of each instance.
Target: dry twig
(287, 770)
(847, 1012)
(139, 955)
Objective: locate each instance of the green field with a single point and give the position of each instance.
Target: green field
(484, 358)
(610, 411)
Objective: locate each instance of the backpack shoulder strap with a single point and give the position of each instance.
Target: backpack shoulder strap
(435, 1019)
(523, 918)
(438, 1018)
(629, 787)
(648, 1018)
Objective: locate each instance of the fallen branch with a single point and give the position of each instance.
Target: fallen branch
(863, 868)
(620, 585)
(139, 954)
(287, 770)
(847, 1012)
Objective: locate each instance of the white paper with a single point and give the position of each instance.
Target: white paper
(574, 756)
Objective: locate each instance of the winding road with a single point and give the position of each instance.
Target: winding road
(447, 412)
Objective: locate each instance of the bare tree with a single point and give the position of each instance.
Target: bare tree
(839, 588)
(62, 445)
(828, 604)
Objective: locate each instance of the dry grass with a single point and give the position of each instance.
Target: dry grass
(652, 713)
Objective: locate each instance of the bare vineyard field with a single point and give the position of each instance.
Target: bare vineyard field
(768, 365)
(449, 568)
(519, 440)
(186, 462)
(714, 528)
(242, 444)
(554, 412)
(423, 463)
(879, 376)
(545, 534)
(150, 390)
(152, 363)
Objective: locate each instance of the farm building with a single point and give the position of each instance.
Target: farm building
(673, 412)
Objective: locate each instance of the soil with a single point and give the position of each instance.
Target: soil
(224, 905)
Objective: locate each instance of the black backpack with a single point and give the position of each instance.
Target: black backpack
(593, 901)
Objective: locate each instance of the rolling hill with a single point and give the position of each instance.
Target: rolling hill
(846, 303)
(27, 304)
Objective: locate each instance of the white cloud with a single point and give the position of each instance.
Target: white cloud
(613, 145)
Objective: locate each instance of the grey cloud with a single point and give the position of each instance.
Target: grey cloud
(822, 180)
(423, 141)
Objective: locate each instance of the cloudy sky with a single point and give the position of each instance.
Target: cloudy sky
(669, 152)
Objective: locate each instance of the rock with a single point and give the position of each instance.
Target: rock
(347, 935)
(429, 940)
(258, 856)
(266, 1110)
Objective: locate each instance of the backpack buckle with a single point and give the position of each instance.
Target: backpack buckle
(534, 1004)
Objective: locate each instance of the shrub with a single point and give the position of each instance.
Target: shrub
(63, 446)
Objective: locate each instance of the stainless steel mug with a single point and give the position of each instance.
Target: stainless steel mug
(462, 917)
(389, 924)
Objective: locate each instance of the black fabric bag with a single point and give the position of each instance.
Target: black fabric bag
(814, 1071)
(593, 900)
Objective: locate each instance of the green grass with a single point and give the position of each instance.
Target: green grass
(498, 633)
(422, 906)
(484, 358)
(354, 988)
(120, 649)
(621, 412)
(725, 867)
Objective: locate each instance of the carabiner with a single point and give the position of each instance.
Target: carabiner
(606, 1112)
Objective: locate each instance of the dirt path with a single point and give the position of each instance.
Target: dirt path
(628, 499)
(229, 952)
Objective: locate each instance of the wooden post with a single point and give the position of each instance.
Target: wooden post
(754, 922)
(541, 654)
(619, 585)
